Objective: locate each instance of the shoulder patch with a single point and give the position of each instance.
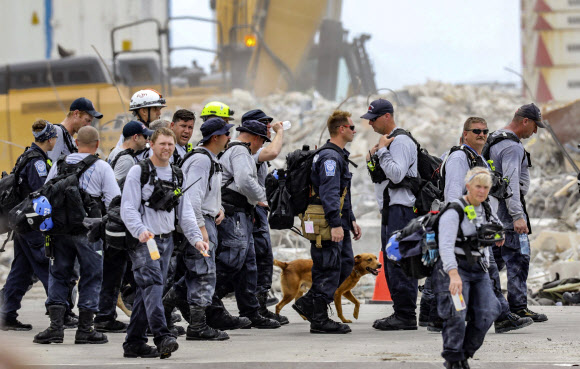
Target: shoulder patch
(41, 168)
(330, 167)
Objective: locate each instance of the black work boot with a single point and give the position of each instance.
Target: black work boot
(453, 364)
(321, 323)
(527, 313)
(172, 300)
(304, 307)
(511, 323)
(263, 310)
(218, 317)
(13, 325)
(111, 326)
(261, 322)
(167, 346)
(572, 297)
(465, 364)
(394, 323)
(140, 350)
(55, 332)
(435, 325)
(86, 333)
(71, 321)
(198, 328)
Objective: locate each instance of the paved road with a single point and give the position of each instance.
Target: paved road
(553, 344)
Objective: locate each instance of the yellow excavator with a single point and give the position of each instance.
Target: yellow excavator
(263, 46)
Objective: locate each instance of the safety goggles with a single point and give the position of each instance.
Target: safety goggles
(478, 131)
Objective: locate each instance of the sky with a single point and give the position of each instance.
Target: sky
(454, 41)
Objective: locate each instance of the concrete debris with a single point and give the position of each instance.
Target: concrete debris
(434, 112)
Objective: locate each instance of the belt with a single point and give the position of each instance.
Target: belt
(165, 235)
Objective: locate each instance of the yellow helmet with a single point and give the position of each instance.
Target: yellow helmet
(218, 109)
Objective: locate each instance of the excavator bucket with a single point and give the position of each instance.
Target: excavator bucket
(565, 122)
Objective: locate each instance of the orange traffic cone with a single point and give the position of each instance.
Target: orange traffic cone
(381, 294)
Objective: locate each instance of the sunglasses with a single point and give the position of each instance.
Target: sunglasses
(227, 133)
(374, 119)
(478, 131)
(351, 127)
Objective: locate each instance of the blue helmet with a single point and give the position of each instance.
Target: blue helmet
(43, 208)
(392, 248)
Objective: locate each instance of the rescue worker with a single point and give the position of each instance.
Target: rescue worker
(216, 109)
(150, 218)
(197, 287)
(397, 157)
(32, 169)
(98, 181)
(454, 169)
(159, 123)
(511, 160)
(236, 269)
(81, 114)
(334, 261)
(146, 105)
(121, 160)
(182, 125)
(261, 231)
(461, 270)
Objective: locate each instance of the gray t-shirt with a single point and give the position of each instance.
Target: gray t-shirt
(98, 180)
(205, 198)
(398, 161)
(239, 164)
(139, 218)
(123, 165)
(61, 147)
(262, 168)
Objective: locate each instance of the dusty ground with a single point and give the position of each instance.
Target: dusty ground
(543, 345)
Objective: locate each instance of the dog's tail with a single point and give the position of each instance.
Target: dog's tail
(281, 264)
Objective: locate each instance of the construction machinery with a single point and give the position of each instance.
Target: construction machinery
(264, 46)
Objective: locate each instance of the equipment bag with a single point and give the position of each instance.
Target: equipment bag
(281, 215)
(315, 213)
(11, 193)
(69, 204)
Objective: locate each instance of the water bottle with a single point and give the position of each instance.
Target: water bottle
(286, 125)
(153, 250)
(524, 244)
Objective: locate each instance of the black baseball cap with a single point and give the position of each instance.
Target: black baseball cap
(377, 108)
(254, 127)
(84, 104)
(256, 114)
(531, 111)
(214, 127)
(136, 128)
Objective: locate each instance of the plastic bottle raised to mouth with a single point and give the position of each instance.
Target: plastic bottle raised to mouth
(286, 125)
(153, 250)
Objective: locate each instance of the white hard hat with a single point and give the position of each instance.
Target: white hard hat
(146, 99)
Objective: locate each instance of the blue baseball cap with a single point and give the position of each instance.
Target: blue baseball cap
(136, 128)
(214, 127)
(378, 108)
(531, 111)
(256, 114)
(84, 104)
(254, 127)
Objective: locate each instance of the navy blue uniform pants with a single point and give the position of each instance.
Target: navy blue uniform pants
(403, 289)
(493, 271)
(518, 265)
(460, 340)
(236, 269)
(263, 247)
(28, 260)
(67, 248)
(114, 265)
(200, 275)
(150, 278)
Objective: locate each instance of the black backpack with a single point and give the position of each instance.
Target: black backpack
(279, 200)
(214, 166)
(68, 140)
(70, 204)
(473, 160)
(11, 193)
(426, 185)
(130, 152)
(495, 139)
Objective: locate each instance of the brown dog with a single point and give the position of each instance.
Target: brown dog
(297, 276)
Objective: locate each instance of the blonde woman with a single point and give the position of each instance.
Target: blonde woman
(465, 236)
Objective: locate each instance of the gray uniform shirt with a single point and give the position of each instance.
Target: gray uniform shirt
(60, 147)
(123, 165)
(98, 180)
(203, 200)
(262, 168)
(510, 160)
(456, 167)
(448, 232)
(398, 161)
(139, 218)
(239, 164)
